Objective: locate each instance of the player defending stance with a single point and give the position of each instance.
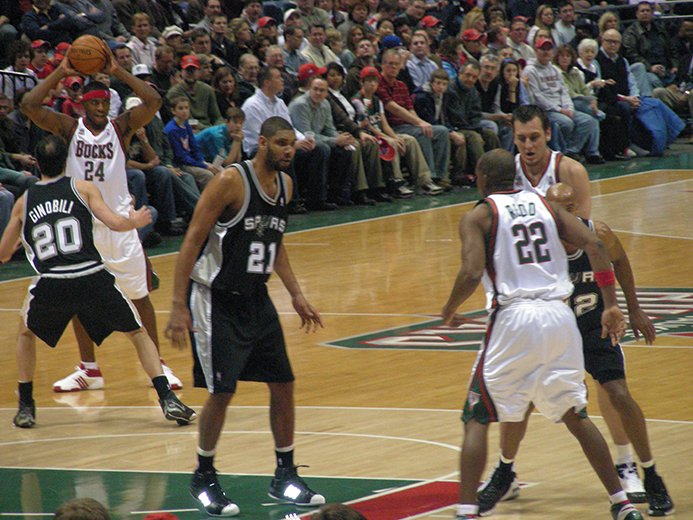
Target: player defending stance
(97, 154)
(526, 275)
(240, 220)
(54, 220)
(538, 167)
(604, 363)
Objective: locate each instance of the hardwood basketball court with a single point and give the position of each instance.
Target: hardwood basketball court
(378, 390)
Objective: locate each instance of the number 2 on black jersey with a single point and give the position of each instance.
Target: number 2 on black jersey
(261, 257)
(531, 245)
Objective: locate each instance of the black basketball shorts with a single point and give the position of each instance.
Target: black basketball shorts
(95, 299)
(603, 361)
(237, 338)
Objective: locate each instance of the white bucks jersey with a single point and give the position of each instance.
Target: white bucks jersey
(101, 160)
(525, 259)
(548, 178)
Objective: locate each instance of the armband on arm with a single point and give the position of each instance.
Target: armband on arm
(604, 278)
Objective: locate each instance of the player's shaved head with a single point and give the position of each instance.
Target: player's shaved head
(562, 194)
(495, 171)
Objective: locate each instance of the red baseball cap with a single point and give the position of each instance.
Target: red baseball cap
(430, 21)
(542, 42)
(71, 81)
(385, 150)
(189, 60)
(369, 72)
(308, 70)
(266, 20)
(471, 35)
(37, 44)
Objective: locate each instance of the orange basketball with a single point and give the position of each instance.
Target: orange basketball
(87, 55)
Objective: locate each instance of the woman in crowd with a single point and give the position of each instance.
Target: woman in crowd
(544, 19)
(224, 84)
(581, 94)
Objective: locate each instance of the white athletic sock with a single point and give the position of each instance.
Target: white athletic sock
(467, 509)
(506, 461)
(647, 464)
(619, 497)
(90, 365)
(624, 454)
(204, 453)
(286, 449)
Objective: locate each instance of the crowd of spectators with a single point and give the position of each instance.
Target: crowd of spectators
(389, 98)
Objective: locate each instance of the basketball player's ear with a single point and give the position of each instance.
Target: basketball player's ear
(262, 141)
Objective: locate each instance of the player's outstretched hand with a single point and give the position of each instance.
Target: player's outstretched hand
(613, 324)
(179, 325)
(641, 323)
(310, 318)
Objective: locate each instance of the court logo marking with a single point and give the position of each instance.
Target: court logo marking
(671, 311)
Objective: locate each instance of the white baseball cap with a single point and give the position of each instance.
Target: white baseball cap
(132, 102)
(141, 69)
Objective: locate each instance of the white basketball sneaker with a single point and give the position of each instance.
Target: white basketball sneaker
(80, 379)
(173, 381)
(631, 483)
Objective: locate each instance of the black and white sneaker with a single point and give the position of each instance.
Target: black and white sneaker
(174, 410)
(205, 488)
(287, 486)
(631, 483)
(501, 485)
(26, 416)
(658, 496)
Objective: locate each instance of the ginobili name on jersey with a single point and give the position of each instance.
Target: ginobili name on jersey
(49, 207)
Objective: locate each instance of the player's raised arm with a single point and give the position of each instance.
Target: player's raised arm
(224, 191)
(473, 228)
(12, 232)
(43, 117)
(639, 321)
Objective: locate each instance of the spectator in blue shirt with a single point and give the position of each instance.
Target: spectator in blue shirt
(223, 140)
(186, 152)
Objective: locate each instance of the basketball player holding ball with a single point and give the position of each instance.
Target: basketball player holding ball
(97, 147)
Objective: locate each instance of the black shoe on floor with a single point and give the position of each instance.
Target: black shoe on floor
(595, 159)
(205, 488)
(287, 486)
(362, 199)
(296, 207)
(501, 485)
(657, 496)
(381, 196)
(26, 416)
(322, 206)
(175, 410)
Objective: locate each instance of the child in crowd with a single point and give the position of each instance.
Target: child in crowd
(221, 144)
(186, 152)
(72, 104)
(116, 102)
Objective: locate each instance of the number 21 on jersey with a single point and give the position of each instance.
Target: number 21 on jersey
(261, 257)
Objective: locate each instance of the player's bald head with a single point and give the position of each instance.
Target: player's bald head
(496, 171)
(562, 194)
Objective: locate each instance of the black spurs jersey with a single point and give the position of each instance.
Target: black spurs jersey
(586, 300)
(239, 254)
(57, 231)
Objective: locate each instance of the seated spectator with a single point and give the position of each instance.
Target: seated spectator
(512, 93)
(316, 51)
(396, 98)
(19, 55)
(546, 87)
(123, 56)
(371, 114)
(26, 133)
(474, 19)
(358, 15)
(449, 54)
(683, 41)
(10, 21)
(223, 144)
(252, 12)
(241, 35)
(310, 112)
(267, 27)
(210, 8)
(419, 64)
(293, 39)
(517, 40)
(312, 15)
(413, 13)
(111, 28)
(677, 96)
(472, 45)
(369, 175)
(384, 28)
(274, 57)
(222, 47)
(337, 17)
(72, 104)
(464, 115)
(207, 65)
(224, 84)
(260, 46)
(544, 19)
(203, 103)
(40, 61)
(248, 68)
(202, 46)
(186, 153)
(163, 69)
(173, 36)
(142, 45)
(365, 57)
(334, 42)
(496, 39)
(434, 29)
(582, 95)
(565, 26)
(185, 190)
(311, 158)
(647, 42)
(79, 508)
(623, 99)
(488, 86)
(354, 36)
(16, 166)
(609, 20)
